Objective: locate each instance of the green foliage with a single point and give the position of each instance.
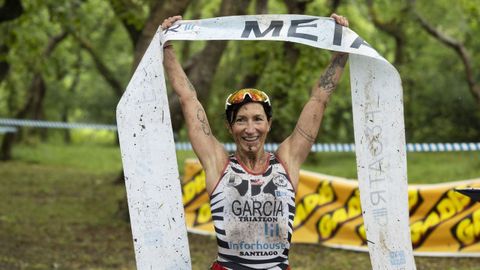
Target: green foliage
(438, 103)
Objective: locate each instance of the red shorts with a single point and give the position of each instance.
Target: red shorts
(217, 266)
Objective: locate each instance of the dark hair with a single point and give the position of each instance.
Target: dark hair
(232, 110)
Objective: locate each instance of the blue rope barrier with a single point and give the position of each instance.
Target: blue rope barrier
(50, 124)
(10, 124)
(337, 147)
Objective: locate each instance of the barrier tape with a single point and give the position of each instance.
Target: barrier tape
(339, 147)
(185, 146)
(51, 124)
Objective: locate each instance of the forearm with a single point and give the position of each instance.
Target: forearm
(311, 117)
(176, 75)
(196, 120)
(328, 81)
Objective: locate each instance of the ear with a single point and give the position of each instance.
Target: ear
(270, 124)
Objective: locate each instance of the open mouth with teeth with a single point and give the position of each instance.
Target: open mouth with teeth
(251, 139)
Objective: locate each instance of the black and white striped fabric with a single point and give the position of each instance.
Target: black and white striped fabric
(253, 216)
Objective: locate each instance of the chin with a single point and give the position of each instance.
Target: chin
(254, 148)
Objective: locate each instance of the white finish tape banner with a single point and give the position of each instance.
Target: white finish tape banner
(148, 150)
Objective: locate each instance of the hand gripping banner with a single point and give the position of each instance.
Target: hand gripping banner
(148, 150)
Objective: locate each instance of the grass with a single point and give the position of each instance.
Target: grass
(59, 210)
(423, 168)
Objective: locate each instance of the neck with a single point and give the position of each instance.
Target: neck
(254, 161)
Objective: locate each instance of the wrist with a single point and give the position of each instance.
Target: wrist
(167, 45)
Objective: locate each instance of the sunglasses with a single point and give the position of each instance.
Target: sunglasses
(239, 96)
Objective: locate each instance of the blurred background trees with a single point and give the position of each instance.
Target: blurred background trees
(71, 60)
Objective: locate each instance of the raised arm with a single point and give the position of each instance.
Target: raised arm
(296, 147)
(208, 149)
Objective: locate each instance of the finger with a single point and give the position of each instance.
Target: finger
(338, 19)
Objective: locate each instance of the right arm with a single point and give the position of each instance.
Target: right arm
(208, 149)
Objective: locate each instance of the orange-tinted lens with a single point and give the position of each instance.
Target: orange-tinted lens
(240, 95)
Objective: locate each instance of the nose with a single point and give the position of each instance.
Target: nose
(250, 129)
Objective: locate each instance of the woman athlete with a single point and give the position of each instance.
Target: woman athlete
(252, 192)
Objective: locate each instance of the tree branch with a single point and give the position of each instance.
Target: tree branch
(392, 28)
(459, 48)
(121, 9)
(107, 74)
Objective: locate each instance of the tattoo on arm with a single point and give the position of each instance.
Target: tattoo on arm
(327, 81)
(201, 116)
(305, 134)
(340, 60)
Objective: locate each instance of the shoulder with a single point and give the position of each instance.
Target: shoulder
(287, 159)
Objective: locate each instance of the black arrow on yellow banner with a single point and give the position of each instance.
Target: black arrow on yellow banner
(473, 193)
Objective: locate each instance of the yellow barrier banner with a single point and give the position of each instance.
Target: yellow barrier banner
(443, 222)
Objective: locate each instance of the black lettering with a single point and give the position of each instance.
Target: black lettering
(295, 24)
(359, 42)
(250, 26)
(172, 29)
(267, 211)
(246, 208)
(279, 209)
(338, 35)
(236, 210)
(256, 208)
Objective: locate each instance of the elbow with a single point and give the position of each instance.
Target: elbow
(185, 100)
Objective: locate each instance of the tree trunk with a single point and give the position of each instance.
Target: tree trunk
(160, 11)
(67, 138)
(10, 10)
(34, 103)
(292, 53)
(393, 28)
(4, 65)
(202, 67)
(251, 78)
(261, 7)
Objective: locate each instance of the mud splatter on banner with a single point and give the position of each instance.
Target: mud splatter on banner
(148, 149)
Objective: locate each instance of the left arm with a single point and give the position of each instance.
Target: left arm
(294, 150)
(308, 125)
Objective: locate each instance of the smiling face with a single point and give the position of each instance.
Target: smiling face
(250, 128)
